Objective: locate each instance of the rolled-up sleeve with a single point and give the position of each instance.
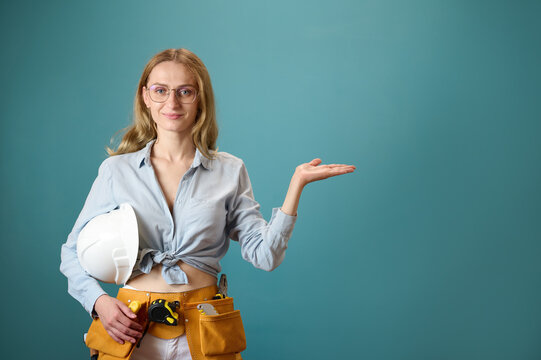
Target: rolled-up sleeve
(263, 244)
(100, 200)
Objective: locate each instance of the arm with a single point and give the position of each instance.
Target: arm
(261, 243)
(305, 174)
(264, 244)
(81, 285)
(84, 288)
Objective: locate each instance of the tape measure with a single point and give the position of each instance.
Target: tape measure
(163, 312)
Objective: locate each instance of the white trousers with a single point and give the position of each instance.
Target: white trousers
(154, 348)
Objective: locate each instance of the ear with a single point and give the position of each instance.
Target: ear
(144, 92)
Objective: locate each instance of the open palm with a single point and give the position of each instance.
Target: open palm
(314, 171)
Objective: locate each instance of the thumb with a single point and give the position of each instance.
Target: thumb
(315, 162)
(126, 310)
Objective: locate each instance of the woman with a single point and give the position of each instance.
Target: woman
(189, 200)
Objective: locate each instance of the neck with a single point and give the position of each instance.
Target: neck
(173, 148)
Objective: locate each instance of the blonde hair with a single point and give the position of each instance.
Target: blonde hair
(205, 129)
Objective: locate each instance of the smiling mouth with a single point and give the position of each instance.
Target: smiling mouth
(172, 116)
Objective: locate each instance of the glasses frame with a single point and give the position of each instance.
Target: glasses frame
(149, 89)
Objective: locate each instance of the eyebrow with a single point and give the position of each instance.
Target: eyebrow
(167, 86)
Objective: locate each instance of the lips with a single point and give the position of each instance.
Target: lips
(172, 116)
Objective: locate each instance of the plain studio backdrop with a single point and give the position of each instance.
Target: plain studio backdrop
(430, 250)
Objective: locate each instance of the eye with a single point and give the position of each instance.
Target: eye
(159, 90)
(185, 92)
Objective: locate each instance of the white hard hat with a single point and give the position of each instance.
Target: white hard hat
(108, 244)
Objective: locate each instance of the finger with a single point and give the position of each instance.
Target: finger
(340, 168)
(126, 310)
(127, 323)
(125, 333)
(344, 168)
(330, 172)
(129, 333)
(114, 337)
(341, 165)
(128, 327)
(332, 167)
(122, 336)
(340, 171)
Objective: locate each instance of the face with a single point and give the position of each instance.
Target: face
(171, 115)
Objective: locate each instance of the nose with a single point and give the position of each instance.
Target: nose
(172, 99)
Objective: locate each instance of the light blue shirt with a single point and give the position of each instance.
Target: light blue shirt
(214, 203)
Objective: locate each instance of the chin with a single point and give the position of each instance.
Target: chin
(177, 128)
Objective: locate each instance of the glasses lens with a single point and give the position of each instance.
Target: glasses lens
(186, 94)
(158, 93)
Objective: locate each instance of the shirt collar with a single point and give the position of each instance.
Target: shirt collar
(143, 157)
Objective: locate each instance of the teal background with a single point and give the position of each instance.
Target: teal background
(430, 250)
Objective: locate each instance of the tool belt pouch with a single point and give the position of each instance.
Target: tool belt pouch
(222, 334)
(98, 339)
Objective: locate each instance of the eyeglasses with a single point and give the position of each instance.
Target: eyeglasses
(184, 94)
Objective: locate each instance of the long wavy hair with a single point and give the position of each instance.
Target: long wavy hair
(205, 129)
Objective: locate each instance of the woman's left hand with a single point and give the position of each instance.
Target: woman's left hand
(314, 171)
(307, 173)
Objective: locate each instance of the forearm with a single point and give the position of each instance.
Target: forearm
(291, 202)
(81, 286)
(264, 244)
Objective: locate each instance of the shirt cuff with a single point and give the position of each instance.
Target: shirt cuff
(91, 296)
(282, 223)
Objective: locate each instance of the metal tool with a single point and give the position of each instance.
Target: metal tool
(222, 288)
(207, 309)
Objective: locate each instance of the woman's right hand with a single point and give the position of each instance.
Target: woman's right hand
(117, 319)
